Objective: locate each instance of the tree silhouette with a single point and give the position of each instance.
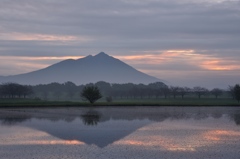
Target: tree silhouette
(231, 91)
(165, 91)
(216, 92)
(200, 91)
(183, 91)
(14, 90)
(237, 92)
(104, 87)
(70, 89)
(91, 93)
(174, 91)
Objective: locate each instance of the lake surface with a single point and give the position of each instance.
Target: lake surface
(120, 133)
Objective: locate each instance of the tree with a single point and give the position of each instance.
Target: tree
(216, 92)
(200, 91)
(70, 89)
(156, 88)
(237, 92)
(91, 93)
(13, 90)
(183, 91)
(104, 87)
(174, 91)
(165, 90)
(231, 91)
(45, 95)
(57, 94)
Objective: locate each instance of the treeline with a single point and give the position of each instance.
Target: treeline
(14, 90)
(70, 91)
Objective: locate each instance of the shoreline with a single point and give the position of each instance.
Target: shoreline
(114, 105)
(188, 102)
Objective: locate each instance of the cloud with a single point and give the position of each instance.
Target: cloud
(155, 24)
(181, 60)
(130, 29)
(187, 67)
(40, 37)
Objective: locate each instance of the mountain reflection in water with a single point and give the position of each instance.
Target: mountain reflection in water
(106, 125)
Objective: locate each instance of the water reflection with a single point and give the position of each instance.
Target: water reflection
(236, 118)
(171, 129)
(13, 120)
(182, 138)
(92, 117)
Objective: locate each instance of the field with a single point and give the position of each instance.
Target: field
(123, 102)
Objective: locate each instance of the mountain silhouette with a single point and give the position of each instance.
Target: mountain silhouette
(100, 67)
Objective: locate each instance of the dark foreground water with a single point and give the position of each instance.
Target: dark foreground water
(120, 133)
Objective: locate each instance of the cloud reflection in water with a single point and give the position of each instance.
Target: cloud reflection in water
(150, 130)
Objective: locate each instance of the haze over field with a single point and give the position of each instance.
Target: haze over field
(186, 43)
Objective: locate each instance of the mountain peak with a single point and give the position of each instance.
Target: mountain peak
(90, 69)
(101, 54)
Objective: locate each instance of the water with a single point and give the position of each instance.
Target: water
(120, 133)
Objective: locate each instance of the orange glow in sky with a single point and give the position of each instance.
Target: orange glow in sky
(165, 60)
(38, 58)
(42, 37)
(28, 64)
(216, 65)
(190, 57)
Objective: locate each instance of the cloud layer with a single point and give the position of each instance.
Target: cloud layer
(133, 30)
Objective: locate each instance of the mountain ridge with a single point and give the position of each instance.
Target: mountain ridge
(89, 69)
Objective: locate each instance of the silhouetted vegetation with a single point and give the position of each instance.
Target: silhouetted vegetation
(174, 91)
(14, 90)
(94, 116)
(122, 94)
(183, 91)
(231, 91)
(91, 93)
(216, 92)
(200, 91)
(12, 120)
(236, 90)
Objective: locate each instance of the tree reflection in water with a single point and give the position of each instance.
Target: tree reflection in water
(12, 120)
(91, 118)
(236, 118)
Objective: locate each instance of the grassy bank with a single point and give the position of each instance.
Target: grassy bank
(132, 102)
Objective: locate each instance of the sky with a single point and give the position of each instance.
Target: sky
(182, 42)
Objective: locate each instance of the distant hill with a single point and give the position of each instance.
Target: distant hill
(100, 67)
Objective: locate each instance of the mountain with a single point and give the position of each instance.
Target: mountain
(100, 67)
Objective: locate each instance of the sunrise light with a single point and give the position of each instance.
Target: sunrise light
(42, 37)
(182, 57)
